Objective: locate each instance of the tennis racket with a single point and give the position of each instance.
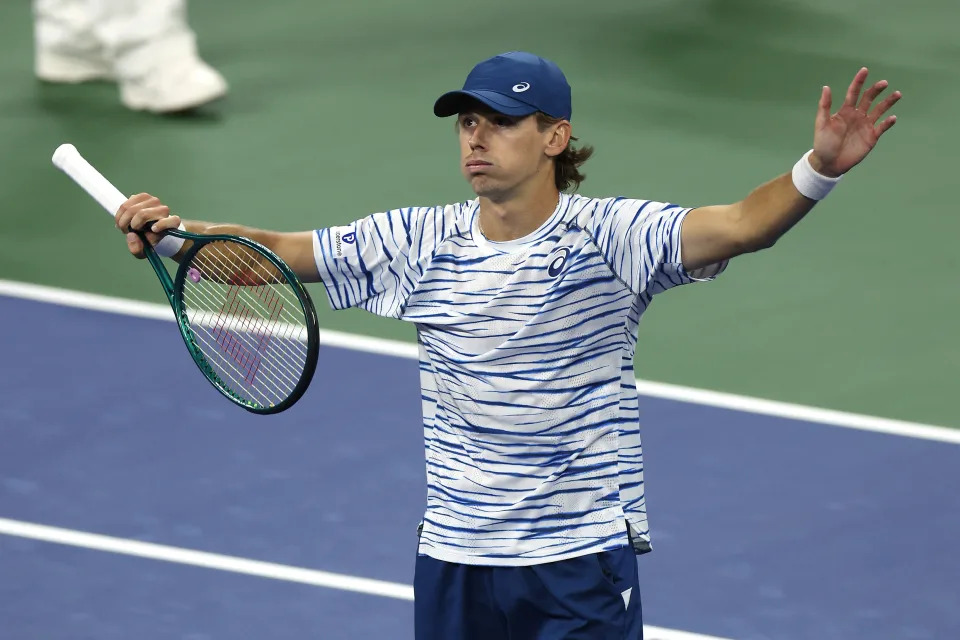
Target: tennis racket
(246, 319)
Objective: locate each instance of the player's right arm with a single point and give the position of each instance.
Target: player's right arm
(294, 248)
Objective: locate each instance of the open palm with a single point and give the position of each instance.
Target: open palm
(843, 140)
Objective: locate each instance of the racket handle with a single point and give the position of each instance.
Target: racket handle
(68, 159)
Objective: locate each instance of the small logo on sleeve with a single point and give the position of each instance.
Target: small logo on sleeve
(342, 236)
(558, 262)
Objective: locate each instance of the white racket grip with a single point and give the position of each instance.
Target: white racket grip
(68, 159)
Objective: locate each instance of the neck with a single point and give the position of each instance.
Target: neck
(503, 219)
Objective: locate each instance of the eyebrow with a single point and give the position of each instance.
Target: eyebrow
(489, 114)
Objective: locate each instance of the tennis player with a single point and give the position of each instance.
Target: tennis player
(526, 301)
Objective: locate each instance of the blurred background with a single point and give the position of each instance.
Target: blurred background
(695, 102)
(329, 118)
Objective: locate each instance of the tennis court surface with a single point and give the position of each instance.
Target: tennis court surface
(135, 502)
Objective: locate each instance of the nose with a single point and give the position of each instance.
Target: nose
(479, 136)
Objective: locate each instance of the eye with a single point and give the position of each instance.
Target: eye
(503, 121)
(467, 121)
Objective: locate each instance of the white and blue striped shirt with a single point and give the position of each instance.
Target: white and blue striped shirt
(530, 409)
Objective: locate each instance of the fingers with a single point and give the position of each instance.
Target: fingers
(133, 200)
(870, 95)
(885, 105)
(886, 124)
(163, 224)
(147, 215)
(853, 92)
(153, 233)
(152, 238)
(138, 210)
(127, 210)
(823, 108)
(144, 213)
(154, 230)
(135, 245)
(866, 101)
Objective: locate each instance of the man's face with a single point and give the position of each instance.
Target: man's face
(500, 152)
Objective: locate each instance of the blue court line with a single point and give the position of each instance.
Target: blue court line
(763, 527)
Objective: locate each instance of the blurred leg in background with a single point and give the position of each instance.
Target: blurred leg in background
(146, 46)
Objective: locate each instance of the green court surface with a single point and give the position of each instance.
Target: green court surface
(693, 102)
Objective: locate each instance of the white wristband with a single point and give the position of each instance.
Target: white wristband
(813, 185)
(169, 245)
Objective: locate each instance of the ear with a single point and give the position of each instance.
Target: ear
(559, 138)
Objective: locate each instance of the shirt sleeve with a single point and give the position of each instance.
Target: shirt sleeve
(640, 240)
(375, 263)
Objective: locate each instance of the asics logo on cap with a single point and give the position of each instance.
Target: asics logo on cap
(515, 83)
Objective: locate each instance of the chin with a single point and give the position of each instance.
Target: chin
(486, 187)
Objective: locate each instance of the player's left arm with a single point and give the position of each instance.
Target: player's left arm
(840, 141)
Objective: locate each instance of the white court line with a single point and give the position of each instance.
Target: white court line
(397, 348)
(234, 564)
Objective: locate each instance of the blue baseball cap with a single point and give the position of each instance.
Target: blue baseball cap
(516, 83)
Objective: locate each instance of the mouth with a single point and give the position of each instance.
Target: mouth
(477, 166)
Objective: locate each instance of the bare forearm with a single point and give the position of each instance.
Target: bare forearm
(770, 210)
(295, 249)
(214, 228)
(145, 212)
(219, 228)
(720, 232)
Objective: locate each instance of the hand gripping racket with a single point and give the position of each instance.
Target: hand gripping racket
(247, 320)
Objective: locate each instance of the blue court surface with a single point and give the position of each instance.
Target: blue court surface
(764, 527)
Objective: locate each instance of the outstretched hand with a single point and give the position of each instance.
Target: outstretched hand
(842, 140)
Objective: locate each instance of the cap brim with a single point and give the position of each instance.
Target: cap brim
(452, 103)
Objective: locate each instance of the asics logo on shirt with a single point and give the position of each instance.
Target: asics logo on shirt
(557, 263)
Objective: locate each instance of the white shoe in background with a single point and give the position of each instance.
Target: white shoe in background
(72, 67)
(145, 46)
(178, 85)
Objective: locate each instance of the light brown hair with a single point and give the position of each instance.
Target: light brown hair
(566, 165)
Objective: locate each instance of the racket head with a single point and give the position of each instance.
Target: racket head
(247, 321)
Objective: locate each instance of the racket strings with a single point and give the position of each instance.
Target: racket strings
(247, 260)
(217, 319)
(226, 370)
(248, 322)
(254, 335)
(242, 361)
(224, 337)
(291, 324)
(285, 329)
(230, 352)
(225, 264)
(280, 375)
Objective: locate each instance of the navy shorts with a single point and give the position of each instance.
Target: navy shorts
(591, 597)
